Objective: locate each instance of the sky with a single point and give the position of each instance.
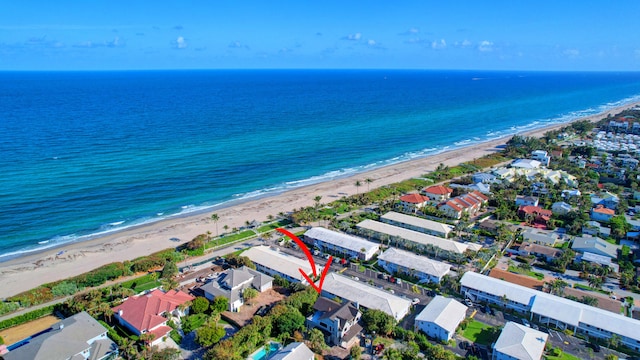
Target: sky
(542, 35)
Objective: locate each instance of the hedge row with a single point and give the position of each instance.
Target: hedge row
(25, 318)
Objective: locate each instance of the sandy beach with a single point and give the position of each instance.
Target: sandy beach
(27, 272)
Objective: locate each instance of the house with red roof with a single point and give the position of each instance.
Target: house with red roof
(437, 193)
(413, 202)
(464, 204)
(601, 213)
(539, 215)
(147, 314)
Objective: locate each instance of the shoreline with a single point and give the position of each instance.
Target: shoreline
(23, 273)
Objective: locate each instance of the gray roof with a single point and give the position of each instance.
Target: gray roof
(334, 310)
(595, 245)
(417, 222)
(230, 283)
(417, 262)
(281, 262)
(444, 312)
(517, 293)
(65, 342)
(340, 239)
(414, 236)
(293, 351)
(521, 342)
(535, 235)
(366, 295)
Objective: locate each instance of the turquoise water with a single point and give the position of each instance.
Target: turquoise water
(264, 353)
(87, 153)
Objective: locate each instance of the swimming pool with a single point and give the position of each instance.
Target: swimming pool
(264, 352)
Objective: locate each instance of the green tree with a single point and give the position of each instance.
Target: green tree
(220, 304)
(249, 293)
(209, 335)
(169, 270)
(358, 184)
(288, 322)
(316, 341)
(378, 321)
(165, 354)
(355, 352)
(200, 305)
(215, 218)
(619, 226)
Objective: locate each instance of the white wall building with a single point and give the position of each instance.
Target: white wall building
(519, 342)
(399, 261)
(417, 224)
(274, 262)
(440, 318)
(349, 246)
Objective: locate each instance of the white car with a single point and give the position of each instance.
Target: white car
(415, 301)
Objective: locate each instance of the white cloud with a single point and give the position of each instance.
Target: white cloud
(116, 42)
(571, 53)
(485, 46)
(353, 37)
(238, 45)
(411, 31)
(464, 43)
(180, 43)
(371, 42)
(438, 44)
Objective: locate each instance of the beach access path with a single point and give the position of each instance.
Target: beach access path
(32, 270)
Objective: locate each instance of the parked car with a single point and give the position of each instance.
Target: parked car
(594, 346)
(415, 301)
(468, 302)
(399, 281)
(526, 323)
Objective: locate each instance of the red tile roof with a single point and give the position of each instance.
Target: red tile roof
(414, 198)
(438, 190)
(144, 311)
(529, 209)
(603, 210)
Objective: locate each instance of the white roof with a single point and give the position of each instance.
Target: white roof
(594, 245)
(294, 351)
(526, 163)
(412, 261)
(340, 239)
(414, 236)
(417, 222)
(552, 306)
(521, 342)
(281, 262)
(366, 295)
(517, 293)
(444, 312)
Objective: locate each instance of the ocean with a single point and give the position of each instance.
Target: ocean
(87, 153)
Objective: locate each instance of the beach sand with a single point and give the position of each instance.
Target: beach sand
(30, 271)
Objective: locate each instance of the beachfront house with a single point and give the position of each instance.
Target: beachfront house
(542, 156)
(440, 318)
(336, 242)
(526, 164)
(411, 203)
(272, 262)
(149, 313)
(364, 295)
(470, 204)
(338, 321)
(396, 261)
(437, 193)
(231, 284)
(417, 224)
(78, 337)
(519, 342)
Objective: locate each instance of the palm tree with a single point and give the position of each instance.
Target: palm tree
(128, 348)
(595, 281)
(368, 181)
(215, 219)
(317, 201)
(226, 228)
(358, 184)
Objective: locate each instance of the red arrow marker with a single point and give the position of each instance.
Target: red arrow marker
(306, 251)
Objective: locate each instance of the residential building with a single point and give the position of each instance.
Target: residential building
(440, 318)
(526, 164)
(426, 270)
(552, 310)
(389, 232)
(537, 236)
(417, 224)
(480, 187)
(606, 199)
(594, 228)
(437, 193)
(464, 204)
(364, 295)
(571, 194)
(273, 262)
(147, 314)
(519, 342)
(525, 200)
(347, 245)
(540, 251)
(538, 214)
(541, 156)
(599, 259)
(595, 245)
(601, 213)
(294, 351)
(231, 283)
(77, 337)
(485, 178)
(339, 322)
(413, 202)
(561, 208)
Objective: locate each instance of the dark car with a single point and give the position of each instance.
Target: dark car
(594, 346)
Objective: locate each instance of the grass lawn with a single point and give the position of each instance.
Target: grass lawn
(231, 238)
(564, 356)
(142, 283)
(478, 332)
(273, 226)
(532, 274)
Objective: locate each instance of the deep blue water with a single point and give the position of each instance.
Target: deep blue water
(87, 152)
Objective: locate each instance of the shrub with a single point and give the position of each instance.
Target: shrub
(200, 305)
(24, 318)
(175, 336)
(65, 288)
(7, 307)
